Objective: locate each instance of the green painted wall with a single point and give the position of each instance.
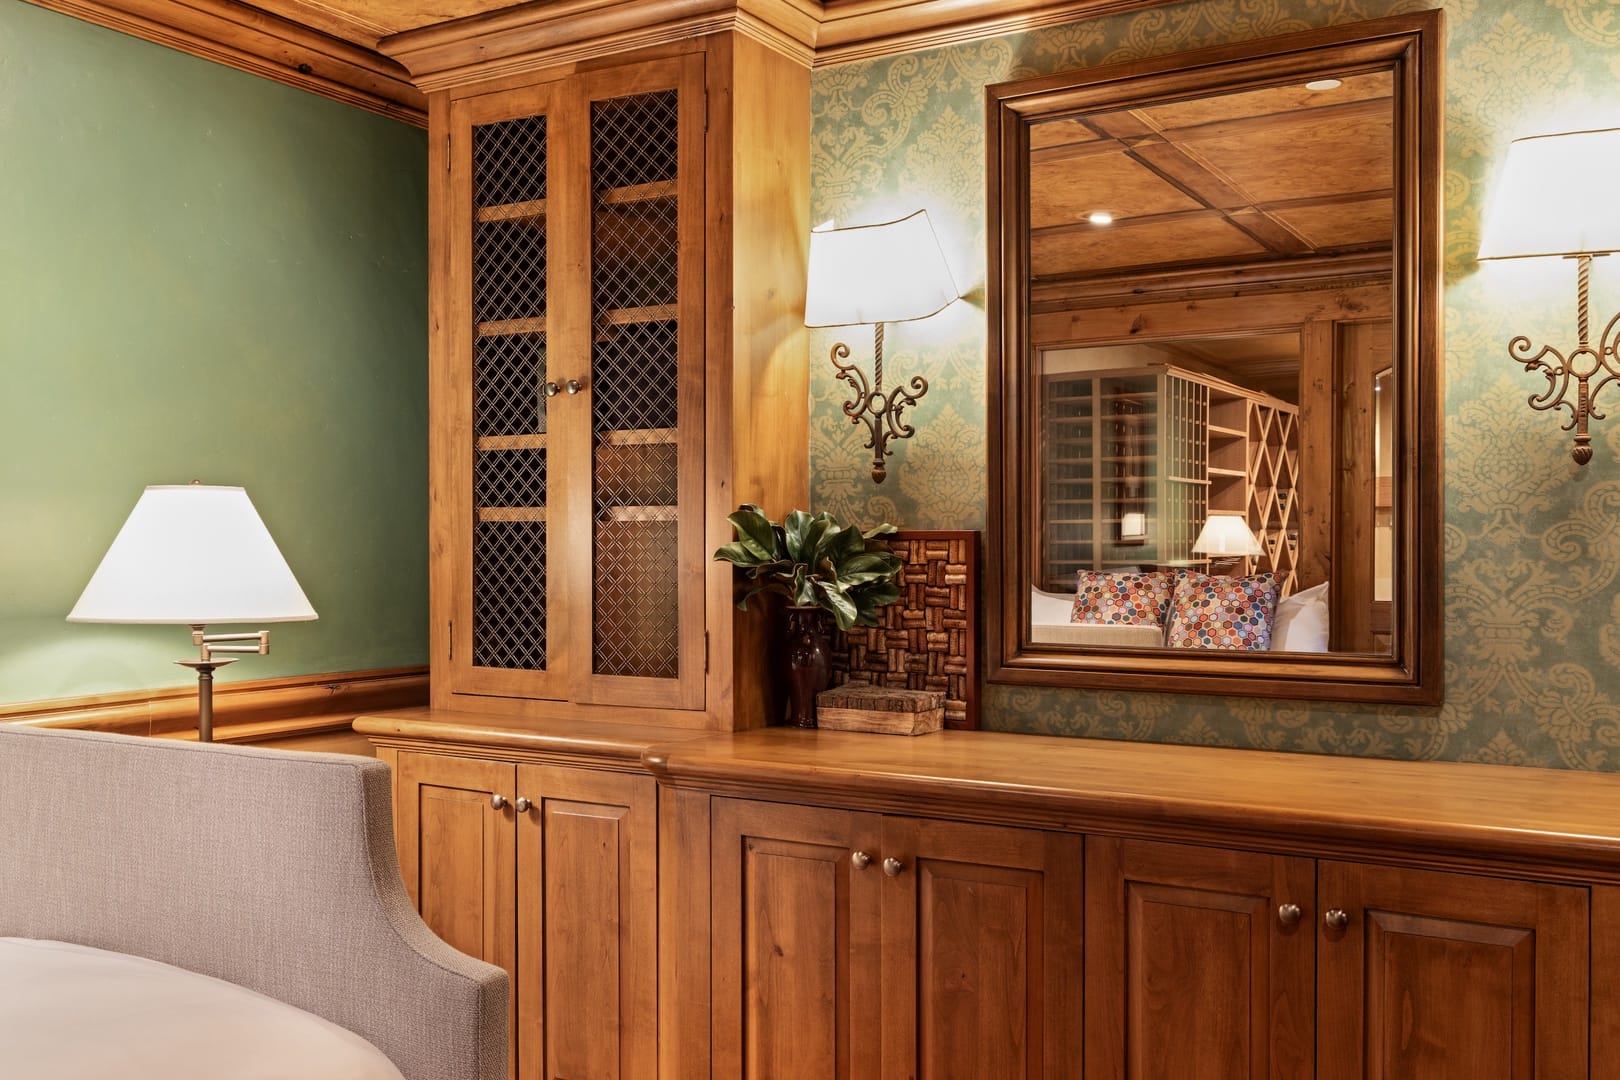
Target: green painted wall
(204, 275)
(1532, 542)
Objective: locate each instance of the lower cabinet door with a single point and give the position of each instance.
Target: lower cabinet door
(1441, 976)
(587, 923)
(795, 942)
(981, 930)
(1199, 963)
(456, 853)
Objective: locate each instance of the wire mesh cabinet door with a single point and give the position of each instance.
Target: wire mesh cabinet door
(503, 458)
(640, 516)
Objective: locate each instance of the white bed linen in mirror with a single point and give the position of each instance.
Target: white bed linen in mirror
(69, 1012)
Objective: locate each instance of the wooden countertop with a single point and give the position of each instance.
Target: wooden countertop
(438, 728)
(1464, 815)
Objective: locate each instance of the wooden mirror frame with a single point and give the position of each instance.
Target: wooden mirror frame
(1411, 47)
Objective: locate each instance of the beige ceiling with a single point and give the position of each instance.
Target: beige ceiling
(1259, 175)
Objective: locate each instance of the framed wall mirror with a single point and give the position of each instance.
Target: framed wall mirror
(1215, 370)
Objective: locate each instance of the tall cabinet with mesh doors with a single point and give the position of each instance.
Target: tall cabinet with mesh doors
(620, 363)
(618, 359)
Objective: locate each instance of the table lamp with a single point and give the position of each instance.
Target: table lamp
(1227, 539)
(191, 555)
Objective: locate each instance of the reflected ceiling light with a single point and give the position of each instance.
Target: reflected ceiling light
(1324, 84)
(1555, 198)
(1100, 217)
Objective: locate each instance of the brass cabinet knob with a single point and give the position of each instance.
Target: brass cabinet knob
(1336, 919)
(552, 389)
(892, 867)
(1289, 914)
(573, 386)
(498, 801)
(521, 805)
(861, 860)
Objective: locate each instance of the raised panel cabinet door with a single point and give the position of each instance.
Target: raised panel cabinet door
(634, 166)
(456, 851)
(982, 958)
(1199, 963)
(1438, 976)
(795, 943)
(501, 441)
(587, 924)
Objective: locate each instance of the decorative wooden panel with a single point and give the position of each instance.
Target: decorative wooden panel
(929, 637)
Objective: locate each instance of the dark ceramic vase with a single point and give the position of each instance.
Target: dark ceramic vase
(809, 666)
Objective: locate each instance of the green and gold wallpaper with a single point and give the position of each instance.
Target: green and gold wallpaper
(1532, 540)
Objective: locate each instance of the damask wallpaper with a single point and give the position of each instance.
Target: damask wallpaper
(1532, 541)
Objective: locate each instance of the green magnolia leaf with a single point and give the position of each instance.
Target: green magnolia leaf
(755, 533)
(794, 527)
(735, 553)
(882, 530)
(844, 611)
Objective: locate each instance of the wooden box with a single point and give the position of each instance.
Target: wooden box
(884, 709)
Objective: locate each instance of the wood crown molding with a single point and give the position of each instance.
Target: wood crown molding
(250, 40)
(544, 33)
(244, 711)
(872, 29)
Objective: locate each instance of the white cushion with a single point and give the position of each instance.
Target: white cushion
(69, 1012)
(1048, 608)
(1301, 622)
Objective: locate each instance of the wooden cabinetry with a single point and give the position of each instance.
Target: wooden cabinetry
(550, 872)
(1272, 967)
(863, 945)
(1134, 460)
(617, 361)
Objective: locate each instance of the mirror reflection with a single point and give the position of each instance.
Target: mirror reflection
(1213, 409)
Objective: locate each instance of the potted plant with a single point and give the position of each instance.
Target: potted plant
(820, 566)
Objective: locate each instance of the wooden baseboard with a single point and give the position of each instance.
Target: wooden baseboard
(258, 711)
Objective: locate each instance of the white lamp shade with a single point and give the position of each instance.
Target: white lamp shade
(193, 555)
(1226, 534)
(1556, 196)
(877, 273)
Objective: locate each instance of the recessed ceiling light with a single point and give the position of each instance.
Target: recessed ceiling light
(1324, 84)
(1100, 217)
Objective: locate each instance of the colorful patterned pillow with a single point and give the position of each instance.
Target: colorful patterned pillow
(1122, 598)
(1223, 612)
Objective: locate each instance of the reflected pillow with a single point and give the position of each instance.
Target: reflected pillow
(1301, 624)
(1223, 612)
(1122, 599)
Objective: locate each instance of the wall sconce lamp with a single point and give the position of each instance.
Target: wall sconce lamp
(1556, 197)
(190, 555)
(1227, 539)
(893, 272)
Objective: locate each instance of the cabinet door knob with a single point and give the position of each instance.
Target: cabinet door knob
(573, 386)
(522, 804)
(892, 867)
(1336, 919)
(861, 860)
(1289, 914)
(498, 801)
(552, 389)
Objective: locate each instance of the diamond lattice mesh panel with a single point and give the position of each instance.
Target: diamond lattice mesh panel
(509, 282)
(635, 395)
(509, 595)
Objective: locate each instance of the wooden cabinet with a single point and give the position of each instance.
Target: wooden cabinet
(1272, 967)
(617, 361)
(852, 944)
(550, 872)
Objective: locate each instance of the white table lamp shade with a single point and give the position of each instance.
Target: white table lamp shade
(1226, 534)
(1556, 196)
(891, 272)
(193, 555)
